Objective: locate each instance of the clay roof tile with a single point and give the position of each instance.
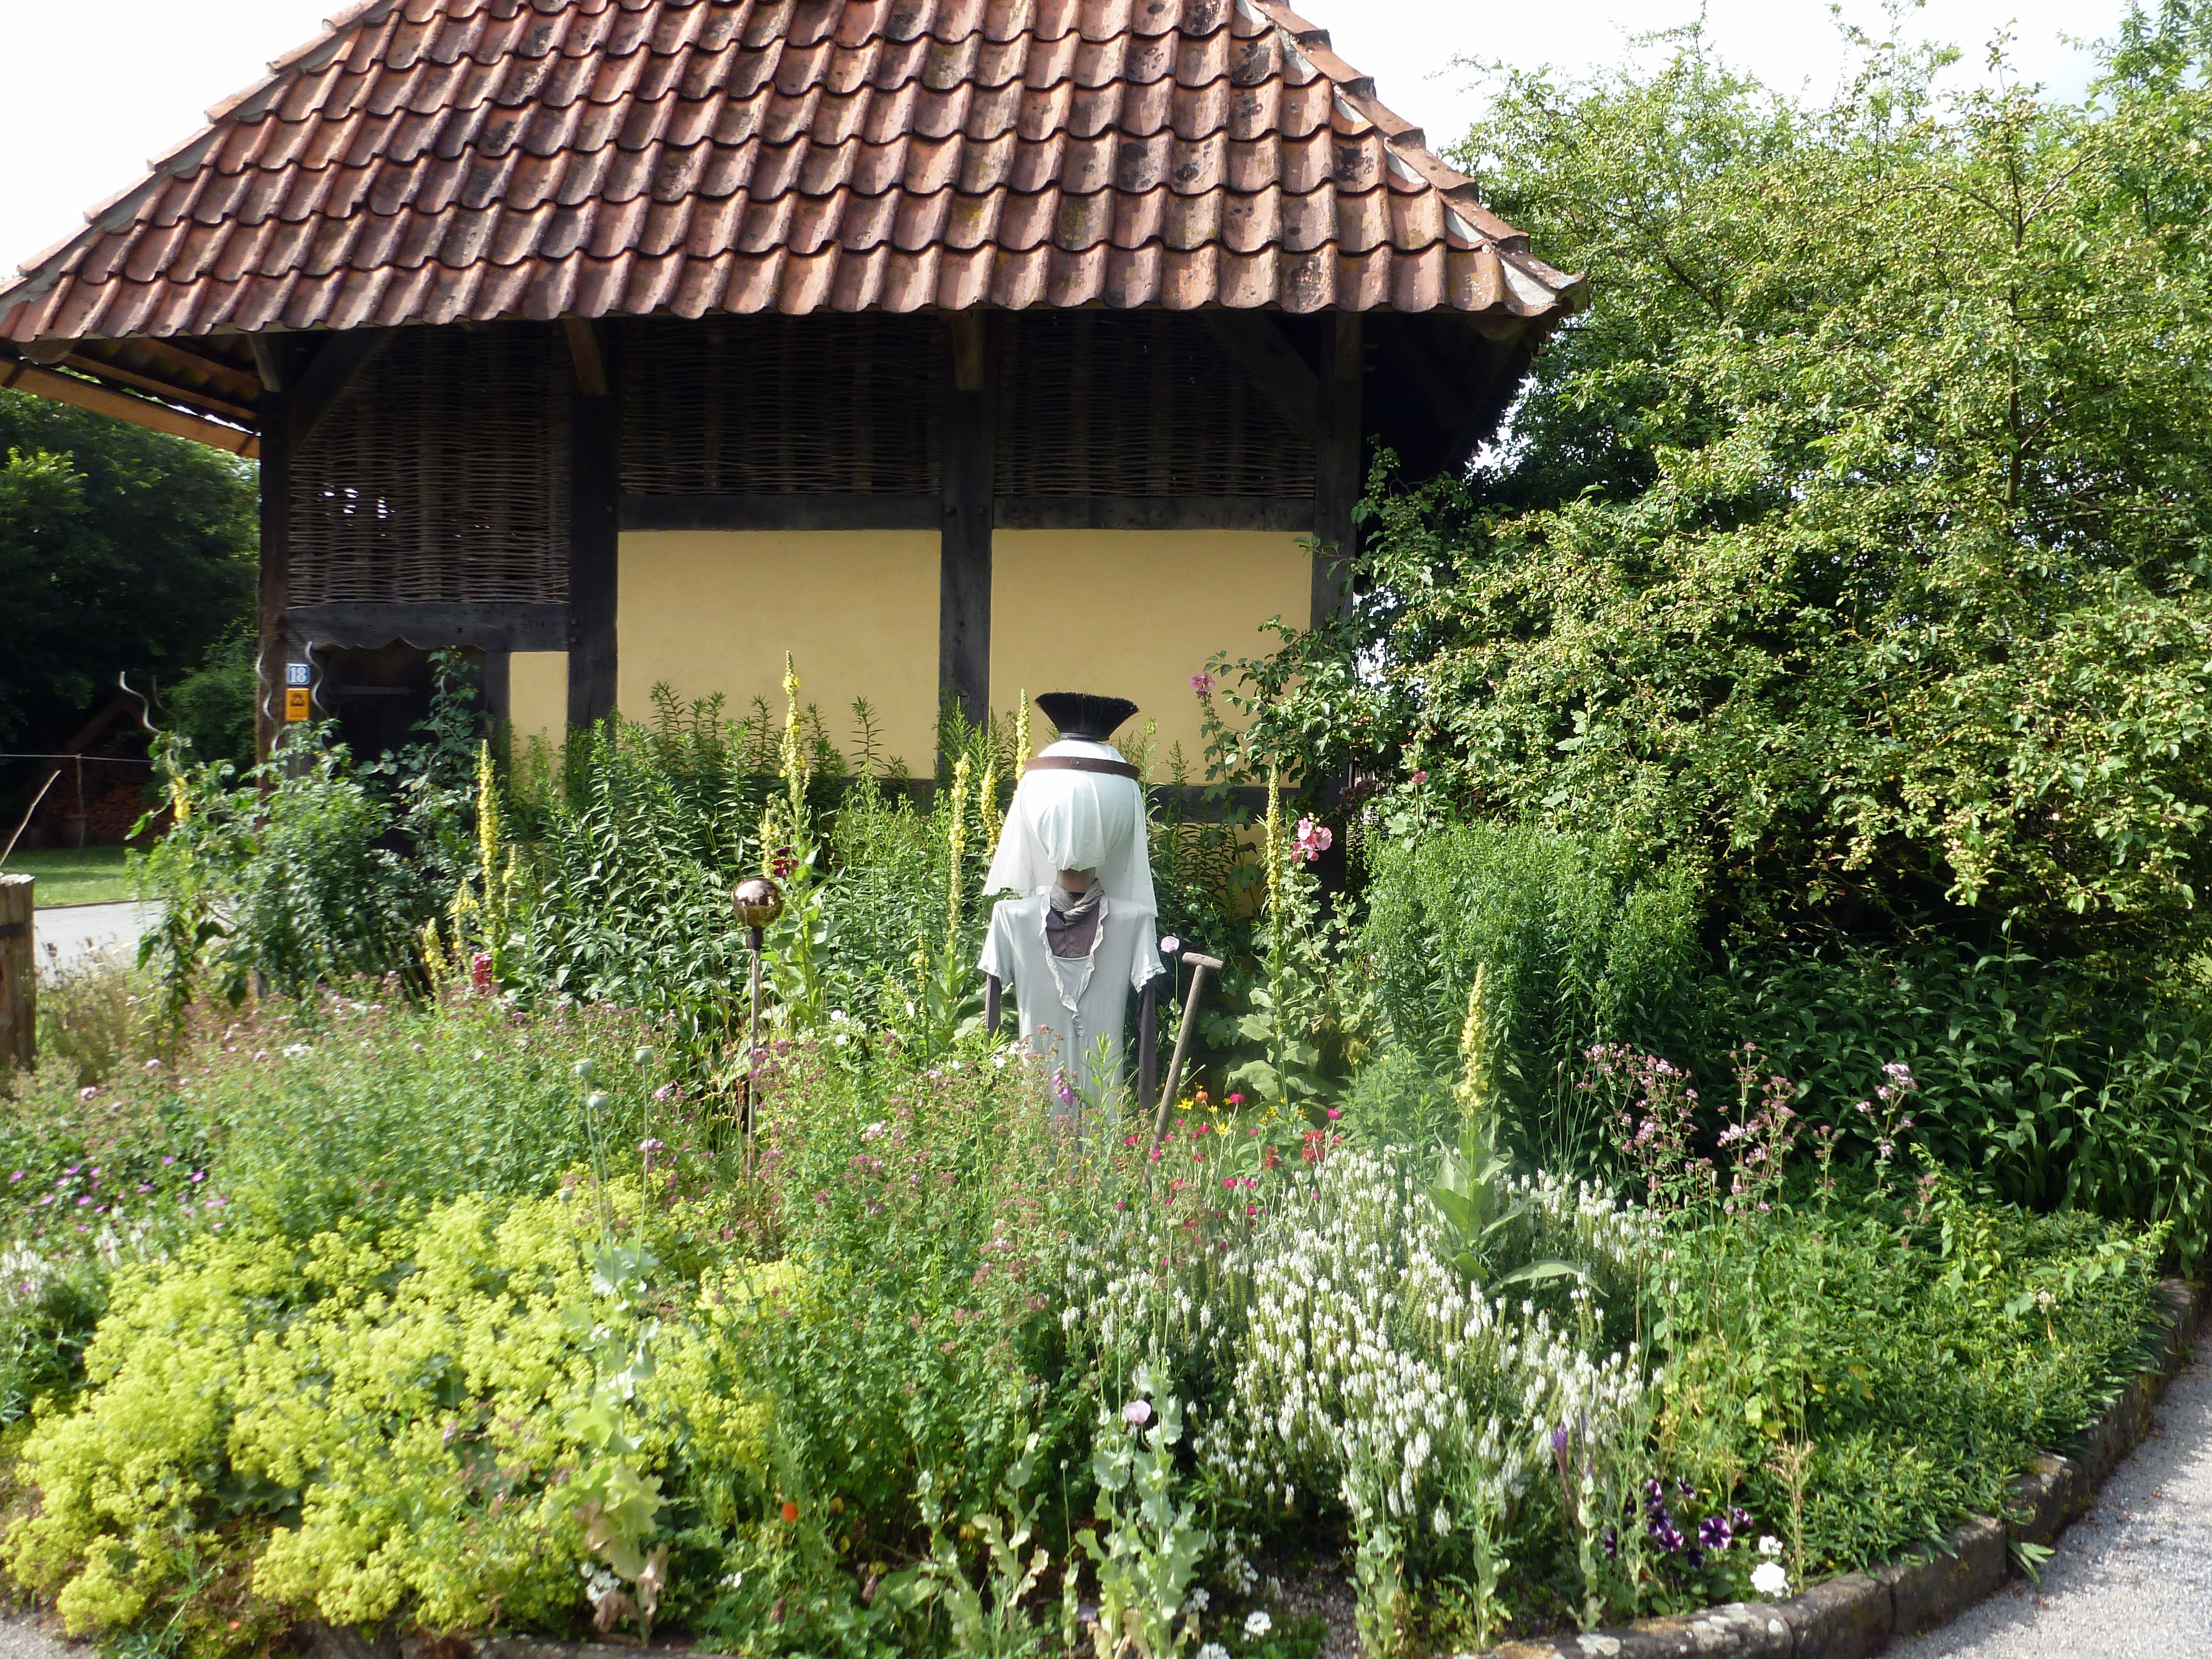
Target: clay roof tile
(440, 160)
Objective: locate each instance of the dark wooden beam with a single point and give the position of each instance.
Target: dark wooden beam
(585, 356)
(498, 688)
(273, 598)
(963, 596)
(594, 550)
(268, 359)
(317, 390)
(885, 512)
(1283, 375)
(1337, 459)
(1154, 513)
(490, 625)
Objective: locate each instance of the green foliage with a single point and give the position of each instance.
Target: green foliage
(1577, 946)
(1906, 1355)
(311, 870)
(212, 706)
(396, 1405)
(120, 550)
(2035, 1076)
(1868, 587)
(1153, 1544)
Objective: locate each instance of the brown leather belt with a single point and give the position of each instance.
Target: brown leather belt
(1083, 764)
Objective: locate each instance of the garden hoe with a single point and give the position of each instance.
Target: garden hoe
(1200, 966)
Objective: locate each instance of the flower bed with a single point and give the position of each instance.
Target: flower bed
(491, 1327)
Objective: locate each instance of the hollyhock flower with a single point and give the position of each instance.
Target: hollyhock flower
(1202, 684)
(1313, 839)
(1137, 1413)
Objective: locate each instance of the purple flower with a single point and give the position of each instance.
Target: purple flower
(1061, 1088)
(1202, 684)
(1713, 1533)
(1559, 1439)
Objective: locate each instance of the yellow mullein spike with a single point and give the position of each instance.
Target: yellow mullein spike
(1022, 735)
(1473, 1090)
(956, 843)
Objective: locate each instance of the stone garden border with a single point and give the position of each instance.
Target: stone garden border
(1848, 1617)
(1856, 1614)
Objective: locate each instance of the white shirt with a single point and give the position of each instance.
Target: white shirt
(1070, 1005)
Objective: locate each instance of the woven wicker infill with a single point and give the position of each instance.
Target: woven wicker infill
(442, 473)
(1143, 403)
(770, 405)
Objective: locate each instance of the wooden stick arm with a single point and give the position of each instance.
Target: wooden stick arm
(1148, 1036)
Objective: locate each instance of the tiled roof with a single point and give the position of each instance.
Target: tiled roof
(425, 161)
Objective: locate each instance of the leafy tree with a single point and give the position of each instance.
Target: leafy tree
(120, 549)
(1855, 547)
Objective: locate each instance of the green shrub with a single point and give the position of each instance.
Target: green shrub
(404, 1409)
(1581, 947)
(2055, 1085)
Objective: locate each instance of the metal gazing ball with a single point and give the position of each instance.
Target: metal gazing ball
(758, 901)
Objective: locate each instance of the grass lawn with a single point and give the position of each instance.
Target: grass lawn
(87, 875)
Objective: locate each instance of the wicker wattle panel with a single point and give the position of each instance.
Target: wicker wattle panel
(775, 405)
(1146, 402)
(442, 473)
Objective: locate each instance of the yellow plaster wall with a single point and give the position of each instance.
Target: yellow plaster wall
(538, 696)
(713, 611)
(1135, 613)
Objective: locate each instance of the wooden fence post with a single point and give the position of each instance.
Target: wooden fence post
(19, 992)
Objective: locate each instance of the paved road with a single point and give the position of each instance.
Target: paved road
(73, 935)
(2133, 1578)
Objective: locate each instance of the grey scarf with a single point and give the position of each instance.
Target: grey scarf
(1071, 925)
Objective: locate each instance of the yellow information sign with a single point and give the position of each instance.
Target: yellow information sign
(296, 702)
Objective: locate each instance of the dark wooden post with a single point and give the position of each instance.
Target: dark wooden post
(19, 982)
(276, 589)
(594, 502)
(1337, 460)
(964, 593)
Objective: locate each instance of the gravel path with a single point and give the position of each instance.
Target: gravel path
(2132, 1579)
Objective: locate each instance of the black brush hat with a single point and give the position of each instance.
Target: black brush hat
(1084, 714)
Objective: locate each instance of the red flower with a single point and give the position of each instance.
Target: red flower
(790, 1510)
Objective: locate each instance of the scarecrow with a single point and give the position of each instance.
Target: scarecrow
(1082, 936)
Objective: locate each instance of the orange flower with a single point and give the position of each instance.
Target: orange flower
(790, 1510)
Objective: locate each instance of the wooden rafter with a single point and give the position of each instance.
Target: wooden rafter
(123, 406)
(107, 371)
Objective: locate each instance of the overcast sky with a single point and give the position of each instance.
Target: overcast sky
(98, 86)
